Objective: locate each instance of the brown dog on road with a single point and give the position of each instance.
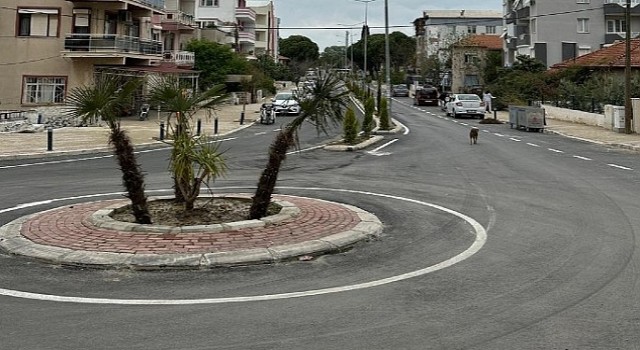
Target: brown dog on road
(473, 136)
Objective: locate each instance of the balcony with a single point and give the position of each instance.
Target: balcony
(178, 20)
(610, 38)
(246, 14)
(110, 45)
(180, 58)
(156, 5)
(246, 38)
(516, 16)
(617, 8)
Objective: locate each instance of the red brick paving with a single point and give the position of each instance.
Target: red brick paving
(70, 227)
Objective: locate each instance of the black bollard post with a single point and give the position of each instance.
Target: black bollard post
(495, 113)
(49, 139)
(40, 118)
(161, 131)
(242, 118)
(199, 127)
(215, 126)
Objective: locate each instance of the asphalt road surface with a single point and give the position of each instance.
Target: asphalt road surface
(558, 269)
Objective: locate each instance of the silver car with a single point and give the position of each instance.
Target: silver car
(286, 103)
(465, 104)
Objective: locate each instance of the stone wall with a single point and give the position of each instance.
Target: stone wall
(606, 120)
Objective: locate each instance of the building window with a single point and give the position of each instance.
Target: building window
(471, 29)
(534, 25)
(583, 25)
(471, 80)
(471, 58)
(38, 22)
(583, 50)
(616, 26)
(209, 3)
(491, 29)
(38, 90)
(582, 1)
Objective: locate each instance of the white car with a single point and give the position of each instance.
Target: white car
(465, 104)
(286, 103)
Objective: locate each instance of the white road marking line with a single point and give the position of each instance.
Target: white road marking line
(619, 166)
(260, 133)
(465, 124)
(583, 158)
(499, 135)
(514, 139)
(555, 150)
(383, 146)
(305, 149)
(485, 131)
(532, 144)
(478, 243)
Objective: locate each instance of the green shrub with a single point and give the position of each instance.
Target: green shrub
(385, 123)
(350, 127)
(367, 122)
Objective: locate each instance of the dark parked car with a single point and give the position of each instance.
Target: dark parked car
(427, 95)
(399, 90)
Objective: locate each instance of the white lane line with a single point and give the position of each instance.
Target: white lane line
(499, 135)
(306, 149)
(465, 124)
(532, 144)
(383, 146)
(478, 243)
(260, 133)
(486, 131)
(555, 150)
(581, 157)
(619, 166)
(514, 139)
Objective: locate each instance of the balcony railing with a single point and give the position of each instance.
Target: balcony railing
(111, 43)
(622, 2)
(179, 17)
(180, 58)
(246, 14)
(156, 4)
(246, 37)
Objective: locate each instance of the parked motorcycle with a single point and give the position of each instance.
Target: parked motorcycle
(267, 114)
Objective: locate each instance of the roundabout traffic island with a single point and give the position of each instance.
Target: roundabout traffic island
(93, 234)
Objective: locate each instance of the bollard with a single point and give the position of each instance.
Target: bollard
(215, 126)
(49, 139)
(495, 113)
(40, 118)
(199, 127)
(161, 131)
(242, 118)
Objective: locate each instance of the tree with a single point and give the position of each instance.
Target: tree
(193, 161)
(385, 123)
(215, 61)
(333, 56)
(299, 48)
(350, 127)
(326, 105)
(105, 100)
(367, 121)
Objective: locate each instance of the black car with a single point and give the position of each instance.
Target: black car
(427, 95)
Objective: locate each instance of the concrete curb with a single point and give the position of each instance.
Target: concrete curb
(372, 140)
(14, 243)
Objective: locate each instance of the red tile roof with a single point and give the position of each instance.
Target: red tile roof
(491, 42)
(612, 56)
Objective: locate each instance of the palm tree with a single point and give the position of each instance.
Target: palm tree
(193, 161)
(325, 106)
(106, 99)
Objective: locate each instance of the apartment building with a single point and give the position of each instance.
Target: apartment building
(266, 29)
(437, 30)
(51, 46)
(554, 31)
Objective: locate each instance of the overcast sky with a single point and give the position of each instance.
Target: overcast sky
(299, 16)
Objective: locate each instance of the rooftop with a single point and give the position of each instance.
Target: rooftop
(463, 13)
(491, 42)
(611, 56)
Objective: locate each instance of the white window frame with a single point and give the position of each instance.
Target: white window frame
(583, 50)
(534, 26)
(49, 15)
(583, 25)
(209, 3)
(582, 1)
(616, 24)
(471, 58)
(44, 89)
(491, 29)
(472, 29)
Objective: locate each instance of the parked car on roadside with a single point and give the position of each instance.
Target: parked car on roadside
(426, 95)
(399, 91)
(286, 103)
(465, 104)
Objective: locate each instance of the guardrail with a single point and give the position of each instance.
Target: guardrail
(111, 43)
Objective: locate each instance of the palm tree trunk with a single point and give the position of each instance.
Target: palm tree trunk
(269, 177)
(132, 177)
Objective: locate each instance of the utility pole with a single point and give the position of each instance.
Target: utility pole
(628, 113)
(387, 55)
(365, 33)
(346, 48)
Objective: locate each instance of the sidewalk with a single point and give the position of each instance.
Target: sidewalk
(75, 140)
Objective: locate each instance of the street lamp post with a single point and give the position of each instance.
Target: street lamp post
(366, 10)
(351, 41)
(387, 55)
